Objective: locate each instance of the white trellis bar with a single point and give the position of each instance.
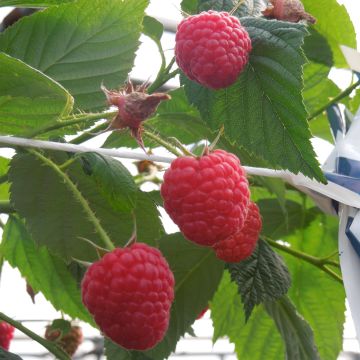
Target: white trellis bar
(305, 184)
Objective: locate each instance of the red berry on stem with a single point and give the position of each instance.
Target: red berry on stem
(129, 292)
(6, 335)
(212, 48)
(241, 244)
(207, 197)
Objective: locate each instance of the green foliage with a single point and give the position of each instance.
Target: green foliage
(265, 100)
(196, 270)
(260, 278)
(43, 271)
(4, 187)
(333, 22)
(5, 355)
(32, 3)
(56, 218)
(355, 102)
(28, 98)
(76, 48)
(296, 332)
(317, 49)
(247, 7)
(113, 179)
(152, 28)
(319, 298)
(60, 324)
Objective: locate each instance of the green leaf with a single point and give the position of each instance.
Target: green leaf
(277, 224)
(189, 6)
(322, 300)
(56, 219)
(43, 271)
(333, 22)
(28, 98)
(295, 331)
(355, 102)
(113, 179)
(61, 324)
(32, 3)
(114, 351)
(317, 48)
(257, 339)
(80, 45)
(4, 187)
(247, 7)
(261, 277)
(197, 274)
(152, 28)
(5, 355)
(263, 111)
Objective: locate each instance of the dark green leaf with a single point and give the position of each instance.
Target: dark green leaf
(247, 7)
(189, 6)
(113, 180)
(43, 271)
(258, 339)
(152, 28)
(317, 48)
(28, 98)
(277, 224)
(80, 45)
(295, 331)
(32, 3)
(56, 219)
(5, 355)
(197, 274)
(60, 324)
(264, 111)
(261, 277)
(333, 22)
(319, 298)
(116, 352)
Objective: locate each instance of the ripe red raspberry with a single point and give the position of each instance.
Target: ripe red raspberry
(69, 342)
(129, 292)
(212, 48)
(241, 244)
(207, 197)
(6, 335)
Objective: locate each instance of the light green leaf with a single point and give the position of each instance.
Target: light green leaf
(28, 98)
(355, 102)
(80, 45)
(113, 179)
(32, 3)
(317, 48)
(295, 331)
(152, 28)
(197, 274)
(333, 22)
(4, 187)
(5, 355)
(260, 278)
(247, 7)
(258, 339)
(322, 300)
(264, 111)
(277, 223)
(43, 271)
(56, 219)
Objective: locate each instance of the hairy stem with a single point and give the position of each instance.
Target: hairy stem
(342, 95)
(162, 142)
(50, 346)
(79, 197)
(318, 262)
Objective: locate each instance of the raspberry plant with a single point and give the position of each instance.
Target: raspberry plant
(67, 210)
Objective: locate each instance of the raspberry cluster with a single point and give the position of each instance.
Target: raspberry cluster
(212, 48)
(6, 335)
(129, 292)
(208, 198)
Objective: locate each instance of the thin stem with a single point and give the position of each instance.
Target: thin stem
(50, 346)
(69, 121)
(79, 197)
(6, 207)
(319, 263)
(343, 94)
(162, 142)
(87, 136)
(67, 163)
